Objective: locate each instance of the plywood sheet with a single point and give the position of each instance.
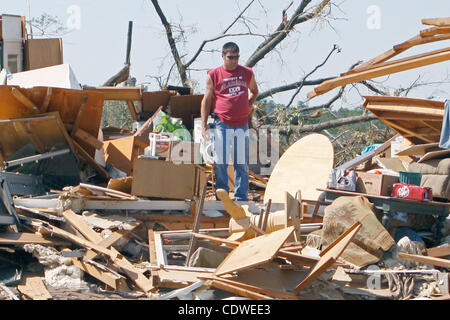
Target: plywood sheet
(329, 256)
(254, 252)
(305, 166)
(417, 120)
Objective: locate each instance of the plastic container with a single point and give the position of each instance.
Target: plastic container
(159, 144)
(410, 177)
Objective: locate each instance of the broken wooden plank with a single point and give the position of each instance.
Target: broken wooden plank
(119, 93)
(35, 289)
(135, 275)
(46, 101)
(329, 256)
(381, 70)
(238, 290)
(252, 288)
(87, 138)
(439, 252)
(24, 100)
(108, 278)
(21, 238)
(434, 30)
(439, 22)
(83, 153)
(444, 263)
(254, 252)
(132, 109)
(196, 226)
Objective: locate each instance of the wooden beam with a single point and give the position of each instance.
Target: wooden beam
(253, 288)
(380, 70)
(88, 138)
(239, 290)
(444, 263)
(421, 40)
(433, 31)
(24, 100)
(77, 121)
(439, 252)
(21, 238)
(439, 22)
(83, 153)
(119, 93)
(132, 109)
(135, 275)
(46, 101)
(329, 256)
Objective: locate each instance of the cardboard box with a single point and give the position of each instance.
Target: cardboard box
(184, 152)
(165, 179)
(375, 184)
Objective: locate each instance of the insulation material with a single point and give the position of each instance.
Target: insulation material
(59, 271)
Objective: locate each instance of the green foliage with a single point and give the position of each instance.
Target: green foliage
(116, 114)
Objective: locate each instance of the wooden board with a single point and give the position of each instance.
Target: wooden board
(329, 256)
(254, 252)
(21, 238)
(439, 252)
(305, 166)
(35, 289)
(381, 70)
(441, 22)
(444, 263)
(434, 154)
(418, 149)
(406, 116)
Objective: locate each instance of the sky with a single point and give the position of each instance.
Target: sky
(95, 45)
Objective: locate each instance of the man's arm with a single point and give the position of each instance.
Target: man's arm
(206, 104)
(253, 87)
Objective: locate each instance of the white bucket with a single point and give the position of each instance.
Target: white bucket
(159, 144)
(205, 146)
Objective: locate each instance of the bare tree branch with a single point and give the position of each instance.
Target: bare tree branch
(222, 35)
(285, 27)
(172, 44)
(321, 126)
(335, 47)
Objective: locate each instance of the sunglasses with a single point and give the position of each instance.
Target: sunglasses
(233, 57)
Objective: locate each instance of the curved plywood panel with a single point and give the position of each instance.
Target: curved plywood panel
(305, 166)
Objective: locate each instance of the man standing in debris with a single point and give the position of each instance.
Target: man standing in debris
(227, 90)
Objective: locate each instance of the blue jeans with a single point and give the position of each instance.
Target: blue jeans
(231, 143)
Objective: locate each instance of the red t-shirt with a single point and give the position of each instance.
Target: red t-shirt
(231, 94)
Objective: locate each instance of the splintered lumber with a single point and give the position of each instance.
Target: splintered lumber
(439, 22)
(238, 290)
(439, 252)
(135, 275)
(88, 138)
(89, 159)
(254, 252)
(253, 288)
(132, 109)
(24, 100)
(113, 280)
(381, 70)
(21, 238)
(119, 93)
(329, 256)
(35, 289)
(444, 263)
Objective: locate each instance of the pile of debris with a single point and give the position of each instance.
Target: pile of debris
(92, 213)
